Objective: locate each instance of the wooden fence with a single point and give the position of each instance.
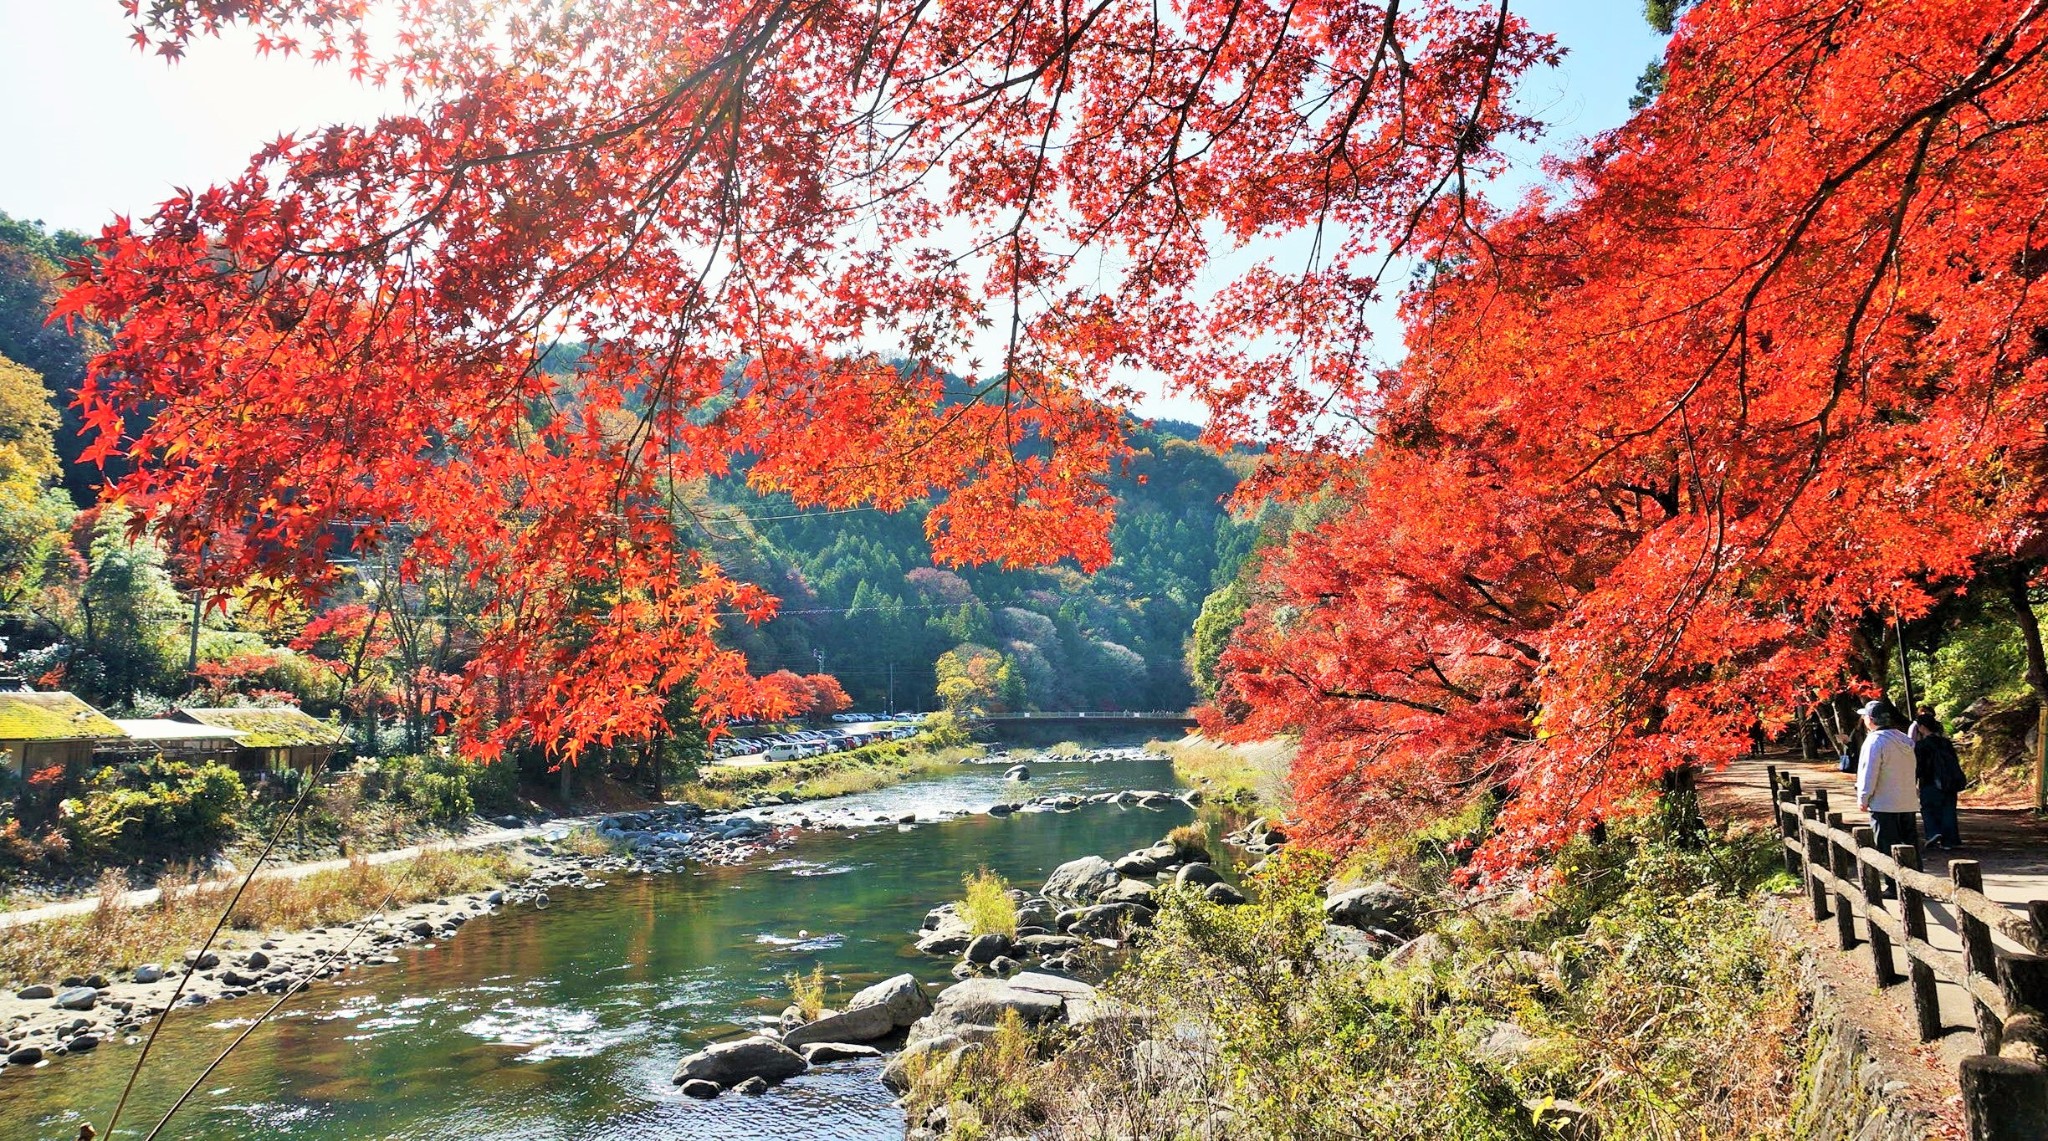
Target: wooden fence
(2005, 1088)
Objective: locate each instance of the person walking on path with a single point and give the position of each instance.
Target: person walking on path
(1941, 777)
(1887, 777)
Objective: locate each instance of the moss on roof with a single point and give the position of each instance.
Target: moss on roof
(281, 727)
(55, 716)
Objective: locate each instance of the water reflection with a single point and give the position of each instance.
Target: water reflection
(569, 1024)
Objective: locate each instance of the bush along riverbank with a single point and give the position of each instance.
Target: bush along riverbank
(1631, 993)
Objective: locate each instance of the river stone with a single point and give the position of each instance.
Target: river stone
(819, 1053)
(40, 990)
(1223, 894)
(949, 940)
(1001, 809)
(79, 998)
(149, 973)
(700, 1089)
(1108, 920)
(1047, 944)
(988, 948)
(1036, 912)
(202, 960)
(1375, 907)
(1129, 891)
(752, 1087)
(983, 1002)
(1081, 880)
(1197, 875)
(862, 1025)
(896, 1075)
(729, 1063)
(236, 978)
(25, 1056)
(903, 997)
(1136, 864)
(80, 1043)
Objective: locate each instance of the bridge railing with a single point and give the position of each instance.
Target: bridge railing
(2005, 1088)
(1092, 715)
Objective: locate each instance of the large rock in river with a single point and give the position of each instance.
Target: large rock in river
(903, 997)
(983, 1002)
(863, 1025)
(1082, 880)
(730, 1063)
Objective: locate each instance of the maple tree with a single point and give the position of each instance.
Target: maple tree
(778, 231)
(1670, 440)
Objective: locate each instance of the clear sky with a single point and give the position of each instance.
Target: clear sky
(91, 127)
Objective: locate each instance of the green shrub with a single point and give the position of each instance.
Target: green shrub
(987, 907)
(155, 809)
(807, 992)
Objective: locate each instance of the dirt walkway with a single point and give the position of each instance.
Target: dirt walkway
(141, 897)
(2011, 846)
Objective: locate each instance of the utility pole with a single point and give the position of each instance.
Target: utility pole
(198, 600)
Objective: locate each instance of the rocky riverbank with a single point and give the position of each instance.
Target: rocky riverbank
(53, 1018)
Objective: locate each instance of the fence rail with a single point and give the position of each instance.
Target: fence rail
(2005, 1089)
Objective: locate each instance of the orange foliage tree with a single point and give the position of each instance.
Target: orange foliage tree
(781, 234)
(1765, 366)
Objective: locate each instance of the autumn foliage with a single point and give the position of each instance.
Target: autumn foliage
(1754, 370)
(1766, 366)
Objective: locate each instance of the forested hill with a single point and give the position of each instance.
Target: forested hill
(861, 595)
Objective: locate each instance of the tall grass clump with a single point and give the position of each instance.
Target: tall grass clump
(987, 907)
(1190, 841)
(807, 992)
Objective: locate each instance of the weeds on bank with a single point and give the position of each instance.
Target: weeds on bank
(112, 937)
(987, 907)
(585, 842)
(807, 992)
(1639, 986)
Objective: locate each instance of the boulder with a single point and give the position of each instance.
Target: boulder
(896, 1075)
(1422, 951)
(201, 960)
(25, 1056)
(1136, 864)
(80, 1043)
(988, 948)
(862, 1025)
(1129, 891)
(1223, 894)
(903, 997)
(1001, 809)
(752, 1087)
(1197, 875)
(256, 961)
(1036, 912)
(1348, 944)
(1108, 921)
(983, 1002)
(946, 940)
(149, 973)
(700, 1089)
(35, 992)
(1047, 944)
(78, 998)
(819, 1053)
(729, 1063)
(1018, 772)
(1081, 880)
(1375, 907)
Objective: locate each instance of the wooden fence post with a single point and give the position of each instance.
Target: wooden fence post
(1873, 902)
(1980, 954)
(1842, 863)
(2004, 1099)
(1787, 808)
(1913, 914)
(1816, 858)
(1820, 797)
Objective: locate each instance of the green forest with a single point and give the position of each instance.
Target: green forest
(89, 603)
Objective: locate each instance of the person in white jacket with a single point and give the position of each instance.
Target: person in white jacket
(1888, 779)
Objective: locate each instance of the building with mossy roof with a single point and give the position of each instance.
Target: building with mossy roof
(39, 731)
(272, 737)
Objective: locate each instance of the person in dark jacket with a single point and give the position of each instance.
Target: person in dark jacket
(1941, 779)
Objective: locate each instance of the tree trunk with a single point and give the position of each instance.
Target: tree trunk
(2017, 593)
(566, 769)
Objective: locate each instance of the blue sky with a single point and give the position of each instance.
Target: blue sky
(94, 128)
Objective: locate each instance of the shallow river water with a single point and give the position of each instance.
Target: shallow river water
(569, 1023)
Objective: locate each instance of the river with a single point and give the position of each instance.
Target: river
(568, 1023)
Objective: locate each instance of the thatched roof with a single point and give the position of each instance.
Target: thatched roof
(279, 727)
(163, 729)
(56, 716)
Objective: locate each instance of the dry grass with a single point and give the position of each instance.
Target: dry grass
(112, 937)
(1254, 775)
(1190, 840)
(987, 907)
(722, 788)
(807, 992)
(586, 842)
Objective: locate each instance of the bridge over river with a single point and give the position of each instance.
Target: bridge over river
(1107, 719)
